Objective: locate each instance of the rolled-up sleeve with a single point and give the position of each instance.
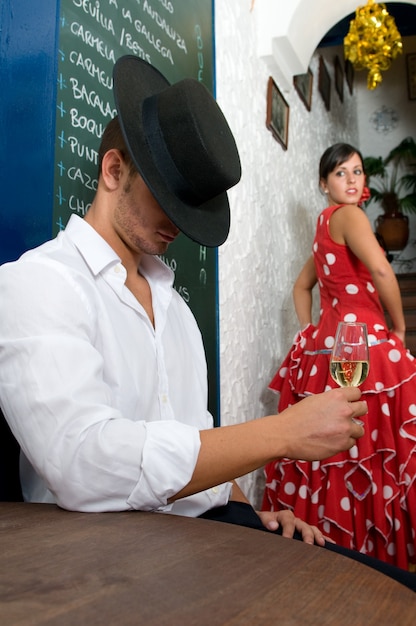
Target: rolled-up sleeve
(169, 454)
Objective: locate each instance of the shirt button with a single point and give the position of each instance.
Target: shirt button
(164, 398)
(117, 269)
(214, 490)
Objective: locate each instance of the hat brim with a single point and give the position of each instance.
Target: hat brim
(134, 81)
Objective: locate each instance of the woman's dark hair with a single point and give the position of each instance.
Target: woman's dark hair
(334, 156)
(113, 139)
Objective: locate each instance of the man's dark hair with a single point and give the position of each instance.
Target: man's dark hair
(113, 139)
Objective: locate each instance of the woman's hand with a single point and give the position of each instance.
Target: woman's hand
(400, 334)
(272, 520)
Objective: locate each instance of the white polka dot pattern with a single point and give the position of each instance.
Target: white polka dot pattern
(364, 498)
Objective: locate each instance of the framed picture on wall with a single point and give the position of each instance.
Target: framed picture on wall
(303, 85)
(277, 117)
(411, 75)
(324, 84)
(349, 75)
(339, 78)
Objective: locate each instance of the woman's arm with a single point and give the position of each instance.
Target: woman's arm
(353, 225)
(302, 292)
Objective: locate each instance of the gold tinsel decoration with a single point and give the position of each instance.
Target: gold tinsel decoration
(373, 41)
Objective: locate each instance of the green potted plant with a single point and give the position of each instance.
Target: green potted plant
(392, 182)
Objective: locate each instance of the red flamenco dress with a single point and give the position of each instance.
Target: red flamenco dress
(365, 498)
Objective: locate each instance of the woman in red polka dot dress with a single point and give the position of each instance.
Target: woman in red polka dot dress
(364, 498)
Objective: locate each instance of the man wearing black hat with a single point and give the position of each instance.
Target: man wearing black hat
(102, 367)
(103, 377)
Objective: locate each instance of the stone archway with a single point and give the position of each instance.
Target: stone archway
(291, 31)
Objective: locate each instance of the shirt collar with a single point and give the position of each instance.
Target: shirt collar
(99, 255)
(93, 248)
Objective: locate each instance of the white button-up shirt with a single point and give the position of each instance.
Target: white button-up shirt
(107, 408)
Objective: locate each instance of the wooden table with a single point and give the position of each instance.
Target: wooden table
(58, 567)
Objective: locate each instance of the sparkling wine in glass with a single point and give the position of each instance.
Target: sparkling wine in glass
(349, 363)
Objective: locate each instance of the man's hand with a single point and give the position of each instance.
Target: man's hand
(322, 425)
(272, 520)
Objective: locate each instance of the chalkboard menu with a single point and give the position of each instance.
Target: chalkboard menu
(176, 37)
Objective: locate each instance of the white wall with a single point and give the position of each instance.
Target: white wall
(390, 96)
(273, 208)
(292, 29)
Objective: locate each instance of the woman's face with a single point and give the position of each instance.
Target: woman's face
(346, 182)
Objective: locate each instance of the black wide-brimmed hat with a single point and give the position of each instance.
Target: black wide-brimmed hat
(182, 146)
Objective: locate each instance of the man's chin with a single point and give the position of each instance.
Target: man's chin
(156, 249)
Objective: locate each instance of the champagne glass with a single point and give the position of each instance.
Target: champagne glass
(349, 363)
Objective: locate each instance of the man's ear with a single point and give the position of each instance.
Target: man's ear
(112, 167)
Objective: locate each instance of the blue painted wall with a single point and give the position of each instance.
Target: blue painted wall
(28, 41)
